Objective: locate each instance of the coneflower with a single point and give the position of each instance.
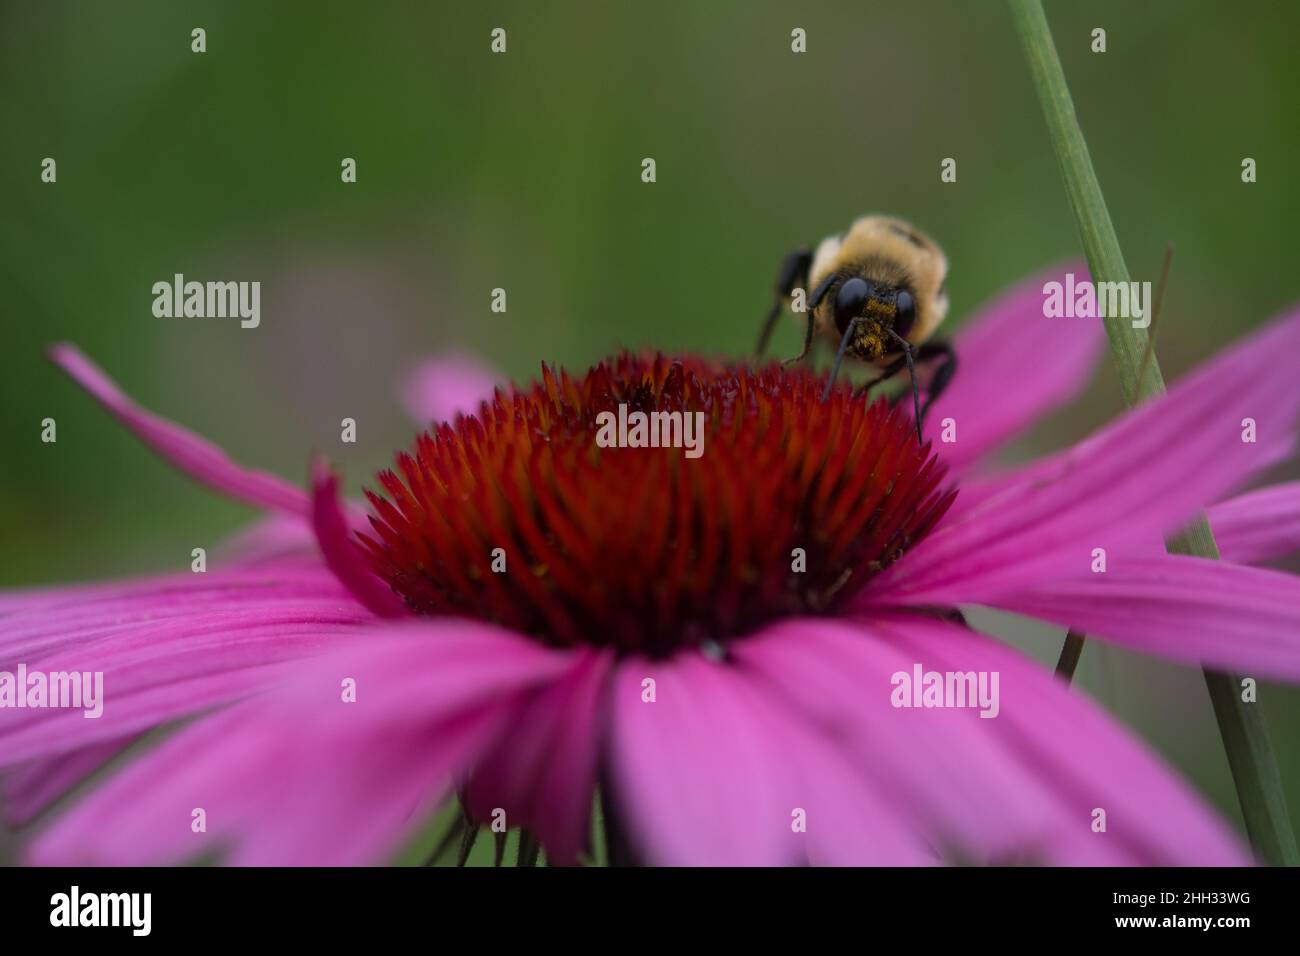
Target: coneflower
(714, 645)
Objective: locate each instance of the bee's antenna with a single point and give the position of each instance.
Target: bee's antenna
(911, 371)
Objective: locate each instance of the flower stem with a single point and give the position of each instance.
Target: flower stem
(1245, 738)
(1070, 653)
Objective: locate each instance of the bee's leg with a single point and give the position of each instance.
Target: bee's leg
(943, 374)
(890, 371)
(814, 300)
(906, 346)
(839, 355)
(807, 341)
(793, 271)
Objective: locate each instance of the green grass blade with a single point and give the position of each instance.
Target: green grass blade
(1245, 738)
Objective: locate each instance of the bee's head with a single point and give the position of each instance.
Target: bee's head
(885, 308)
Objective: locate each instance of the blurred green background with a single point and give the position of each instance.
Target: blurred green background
(523, 171)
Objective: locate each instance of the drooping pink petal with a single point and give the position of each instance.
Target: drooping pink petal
(301, 775)
(543, 773)
(446, 385)
(967, 794)
(1258, 526)
(694, 779)
(339, 550)
(1223, 615)
(1016, 365)
(278, 539)
(167, 649)
(1084, 756)
(186, 451)
(38, 622)
(710, 774)
(1142, 476)
(1018, 786)
(846, 819)
(31, 787)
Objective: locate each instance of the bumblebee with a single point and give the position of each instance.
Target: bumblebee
(878, 292)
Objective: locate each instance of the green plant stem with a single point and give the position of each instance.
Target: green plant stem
(1071, 650)
(1245, 738)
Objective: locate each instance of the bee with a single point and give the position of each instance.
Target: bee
(878, 291)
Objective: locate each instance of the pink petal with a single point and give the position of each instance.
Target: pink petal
(186, 451)
(543, 773)
(273, 536)
(1089, 760)
(39, 622)
(1258, 526)
(966, 793)
(337, 544)
(692, 775)
(301, 777)
(1018, 786)
(31, 787)
(849, 821)
(1142, 476)
(1016, 365)
(446, 385)
(711, 774)
(167, 648)
(1227, 616)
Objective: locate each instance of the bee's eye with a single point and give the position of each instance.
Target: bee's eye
(849, 300)
(906, 315)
